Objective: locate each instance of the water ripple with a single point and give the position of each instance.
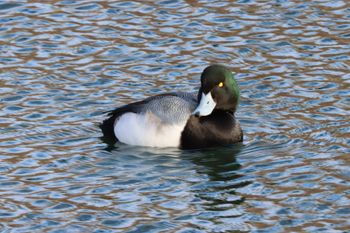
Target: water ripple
(65, 63)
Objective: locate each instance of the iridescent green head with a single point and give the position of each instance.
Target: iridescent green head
(219, 90)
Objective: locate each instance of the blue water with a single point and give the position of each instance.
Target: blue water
(64, 63)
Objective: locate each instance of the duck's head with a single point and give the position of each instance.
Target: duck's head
(218, 91)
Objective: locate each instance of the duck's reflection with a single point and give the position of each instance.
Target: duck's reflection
(217, 169)
(222, 169)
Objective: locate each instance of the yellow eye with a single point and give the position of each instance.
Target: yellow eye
(221, 84)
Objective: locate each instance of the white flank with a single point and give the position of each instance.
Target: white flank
(147, 130)
(206, 106)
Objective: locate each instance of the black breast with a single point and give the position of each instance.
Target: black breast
(217, 129)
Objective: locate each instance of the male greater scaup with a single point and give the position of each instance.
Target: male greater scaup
(179, 119)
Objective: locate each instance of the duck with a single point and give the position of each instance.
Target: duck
(180, 119)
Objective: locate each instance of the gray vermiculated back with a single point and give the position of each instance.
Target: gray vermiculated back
(172, 107)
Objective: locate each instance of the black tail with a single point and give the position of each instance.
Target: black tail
(107, 127)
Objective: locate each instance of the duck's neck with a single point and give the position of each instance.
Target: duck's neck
(221, 111)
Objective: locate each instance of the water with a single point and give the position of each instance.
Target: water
(63, 63)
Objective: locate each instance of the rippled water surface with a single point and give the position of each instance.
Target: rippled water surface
(63, 63)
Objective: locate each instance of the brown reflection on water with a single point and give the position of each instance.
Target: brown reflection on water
(63, 63)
